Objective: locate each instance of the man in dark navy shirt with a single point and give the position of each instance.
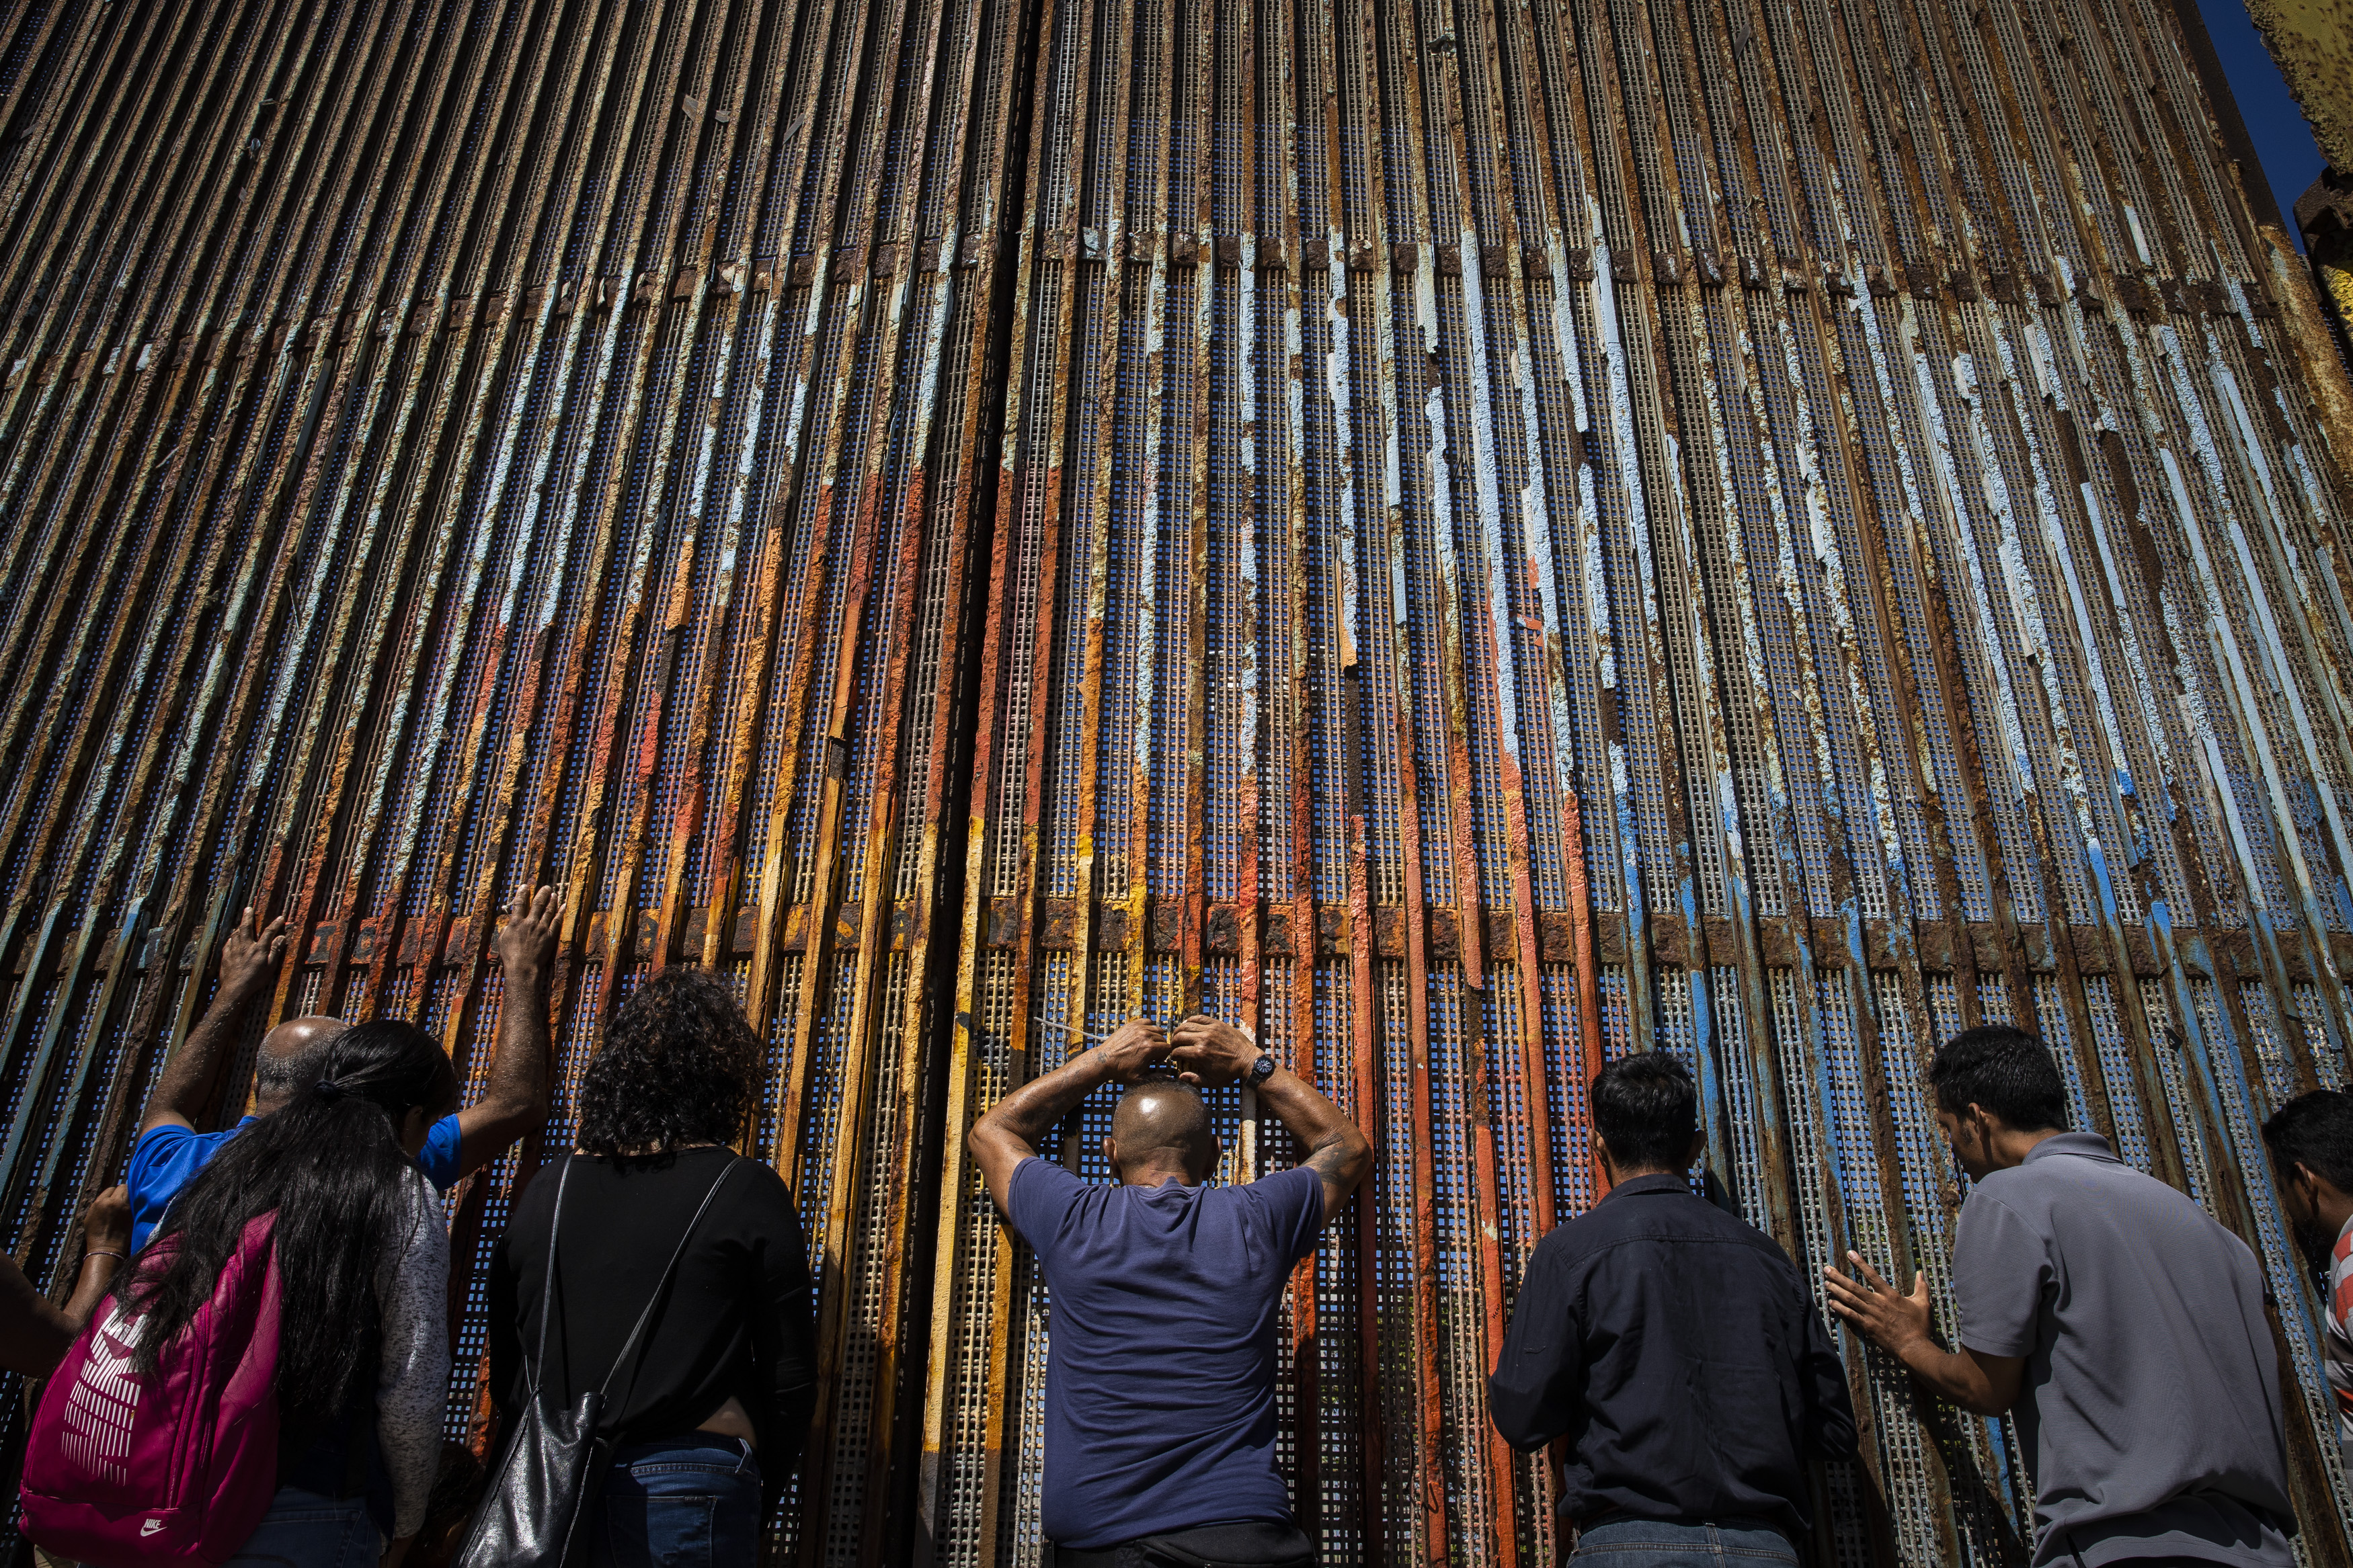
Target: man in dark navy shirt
(1676, 1347)
(1160, 1379)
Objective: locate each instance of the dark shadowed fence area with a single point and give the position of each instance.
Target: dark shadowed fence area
(1472, 538)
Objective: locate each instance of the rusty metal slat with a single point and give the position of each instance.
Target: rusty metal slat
(345, 604)
(443, 365)
(1005, 617)
(74, 1100)
(744, 726)
(391, 849)
(118, 640)
(932, 1483)
(2028, 618)
(2307, 1446)
(1289, 1014)
(40, 244)
(2244, 709)
(1895, 1457)
(1835, 1202)
(119, 59)
(212, 802)
(791, 1112)
(1544, 42)
(22, 908)
(53, 710)
(669, 929)
(2235, 1201)
(1287, 665)
(443, 889)
(2016, 979)
(245, 684)
(2273, 646)
(775, 894)
(1779, 834)
(1745, 170)
(69, 988)
(2149, 887)
(1201, 75)
(1371, 1092)
(358, 783)
(299, 904)
(1597, 104)
(1658, 872)
(108, 885)
(1094, 504)
(1534, 518)
(288, 292)
(866, 500)
(1131, 884)
(399, 882)
(1951, 678)
(16, 1152)
(115, 1109)
(2014, 712)
(1846, 438)
(650, 111)
(884, 816)
(2165, 1162)
(1427, 1517)
(1481, 100)
(882, 844)
(31, 367)
(504, 428)
(1903, 947)
(1772, 1175)
(958, 506)
(1874, 1044)
(34, 44)
(579, 858)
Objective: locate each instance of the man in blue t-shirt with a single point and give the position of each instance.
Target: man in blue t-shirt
(1146, 1451)
(170, 1151)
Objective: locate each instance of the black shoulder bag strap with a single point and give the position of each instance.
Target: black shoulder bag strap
(653, 1303)
(552, 1462)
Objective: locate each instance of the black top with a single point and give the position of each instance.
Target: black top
(1681, 1354)
(346, 1460)
(736, 1321)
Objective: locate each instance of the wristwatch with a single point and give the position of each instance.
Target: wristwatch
(1261, 1069)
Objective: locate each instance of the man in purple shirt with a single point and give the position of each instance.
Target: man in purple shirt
(1160, 1380)
(170, 1151)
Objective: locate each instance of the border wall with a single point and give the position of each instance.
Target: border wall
(1470, 538)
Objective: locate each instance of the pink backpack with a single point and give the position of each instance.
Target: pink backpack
(126, 1471)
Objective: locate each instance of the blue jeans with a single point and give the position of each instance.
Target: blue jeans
(1644, 1543)
(681, 1502)
(303, 1530)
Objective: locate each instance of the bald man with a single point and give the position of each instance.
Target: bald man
(170, 1151)
(1160, 1382)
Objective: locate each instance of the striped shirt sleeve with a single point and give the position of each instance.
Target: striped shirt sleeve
(2338, 1329)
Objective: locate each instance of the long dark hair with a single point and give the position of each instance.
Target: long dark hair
(676, 1068)
(330, 1167)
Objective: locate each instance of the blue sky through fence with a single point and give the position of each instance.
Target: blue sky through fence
(2283, 141)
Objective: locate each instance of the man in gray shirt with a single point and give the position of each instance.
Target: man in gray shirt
(2132, 1323)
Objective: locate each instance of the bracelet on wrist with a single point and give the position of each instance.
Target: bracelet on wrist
(90, 1252)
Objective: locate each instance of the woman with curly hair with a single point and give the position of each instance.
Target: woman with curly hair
(716, 1390)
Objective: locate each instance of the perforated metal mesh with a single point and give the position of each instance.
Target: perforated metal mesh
(1469, 541)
